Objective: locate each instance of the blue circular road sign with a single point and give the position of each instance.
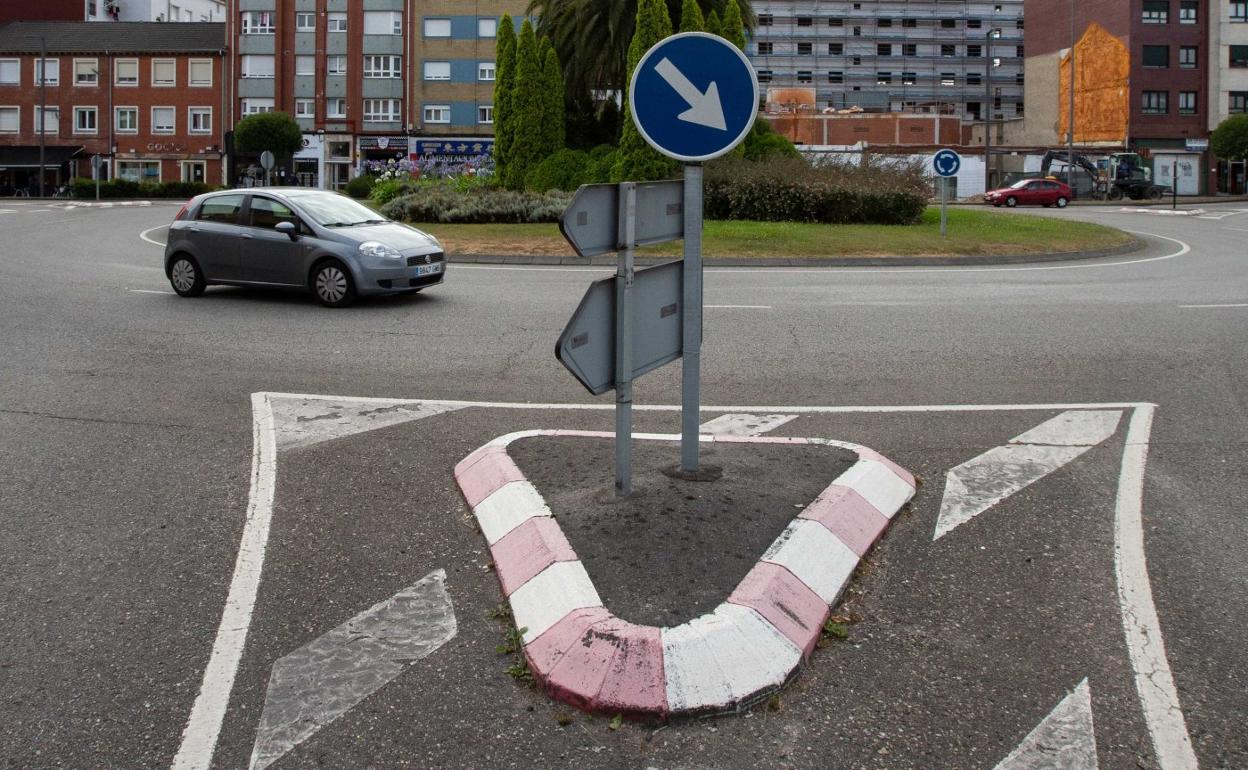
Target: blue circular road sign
(693, 96)
(946, 162)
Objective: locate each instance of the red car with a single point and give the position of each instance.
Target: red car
(1045, 192)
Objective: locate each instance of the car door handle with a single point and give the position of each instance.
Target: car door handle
(192, 229)
(248, 236)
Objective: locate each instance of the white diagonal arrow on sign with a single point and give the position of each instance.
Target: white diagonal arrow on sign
(324, 679)
(705, 109)
(1065, 740)
(980, 483)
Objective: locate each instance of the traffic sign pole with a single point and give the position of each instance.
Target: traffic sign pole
(944, 197)
(691, 355)
(624, 274)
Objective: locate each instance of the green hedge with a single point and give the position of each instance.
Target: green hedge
(124, 188)
(564, 170)
(794, 190)
(449, 205)
(359, 187)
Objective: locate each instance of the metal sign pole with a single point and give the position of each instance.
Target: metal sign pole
(944, 196)
(690, 366)
(624, 274)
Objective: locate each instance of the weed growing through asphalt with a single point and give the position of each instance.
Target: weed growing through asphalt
(512, 644)
(616, 722)
(563, 718)
(835, 629)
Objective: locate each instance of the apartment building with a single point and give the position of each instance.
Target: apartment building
(112, 10)
(1228, 82)
(145, 97)
(375, 80)
(939, 56)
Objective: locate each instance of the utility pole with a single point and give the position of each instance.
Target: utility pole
(988, 111)
(43, 108)
(1070, 123)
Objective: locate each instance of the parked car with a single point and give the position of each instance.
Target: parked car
(1044, 192)
(297, 237)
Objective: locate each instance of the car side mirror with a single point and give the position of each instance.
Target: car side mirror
(289, 228)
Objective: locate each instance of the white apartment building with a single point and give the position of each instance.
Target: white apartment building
(154, 10)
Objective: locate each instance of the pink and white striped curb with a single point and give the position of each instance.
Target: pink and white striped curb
(746, 648)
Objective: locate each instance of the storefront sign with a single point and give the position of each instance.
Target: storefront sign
(1197, 145)
(390, 143)
(455, 150)
(312, 146)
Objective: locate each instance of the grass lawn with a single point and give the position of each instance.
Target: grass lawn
(971, 232)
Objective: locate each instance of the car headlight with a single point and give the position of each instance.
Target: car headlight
(379, 250)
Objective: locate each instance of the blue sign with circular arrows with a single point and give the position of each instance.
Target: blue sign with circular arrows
(946, 162)
(693, 96)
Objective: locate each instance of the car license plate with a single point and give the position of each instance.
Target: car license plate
(433, 269)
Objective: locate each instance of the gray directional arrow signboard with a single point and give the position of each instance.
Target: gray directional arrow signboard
(587, 346)
(591, 222)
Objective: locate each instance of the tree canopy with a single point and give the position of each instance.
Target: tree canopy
(504, 87)
(276, 132)
(1230, 139)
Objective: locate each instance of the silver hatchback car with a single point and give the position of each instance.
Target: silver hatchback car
(297, 237)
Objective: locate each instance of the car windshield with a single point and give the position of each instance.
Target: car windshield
(333, 210)
(1020, 184)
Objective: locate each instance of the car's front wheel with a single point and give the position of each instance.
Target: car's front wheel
(332, 284)
(186, 277)
(1011, 201)
(1061, 202)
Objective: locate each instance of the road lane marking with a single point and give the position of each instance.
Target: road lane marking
(326, 678)
(1066, 737)
(737, 307)
(149, 291)
(1230, 304)
(745, 424)
(143, 235)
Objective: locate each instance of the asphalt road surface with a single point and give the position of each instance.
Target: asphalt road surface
(127, 486)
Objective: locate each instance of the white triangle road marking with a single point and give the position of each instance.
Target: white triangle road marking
(302, 422)
(745, 424)
(1065, 740)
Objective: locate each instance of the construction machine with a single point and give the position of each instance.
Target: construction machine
(1114, 176)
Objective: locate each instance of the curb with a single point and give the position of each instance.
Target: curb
(106, 205)
(1134, 245)
(747, 648)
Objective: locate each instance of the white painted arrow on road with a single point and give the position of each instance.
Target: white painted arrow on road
(980, 483)
(326, 678)
(1065, 740)
(705, 109)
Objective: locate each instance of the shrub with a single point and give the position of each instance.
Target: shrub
(124, 188)
(564, 170)
(386, 190)
(360, 186)
(443, 203)
(793, 190)
(601, 161)
(763, 143)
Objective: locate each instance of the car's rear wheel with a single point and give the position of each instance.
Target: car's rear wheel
(1061, 202)
(1011, 201)
(186, 277)
(1154, 193)
(332, 284)
(1114, 194)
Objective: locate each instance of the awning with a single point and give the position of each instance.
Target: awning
(26, 156)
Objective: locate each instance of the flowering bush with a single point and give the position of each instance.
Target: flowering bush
(445, 203)
(427, 168)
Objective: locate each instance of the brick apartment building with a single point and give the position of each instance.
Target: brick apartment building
(369, 81)
(145, 97)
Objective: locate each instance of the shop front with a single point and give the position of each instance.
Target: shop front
(451, 150)
(338, 161)
(309, 162)
(19, 169)
(382, 149)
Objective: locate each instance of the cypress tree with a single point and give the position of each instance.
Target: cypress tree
(637, 161)
(733, 27)
(713, 24)
(691, 17)
(504, 87)
(524, 148)
(554, 114)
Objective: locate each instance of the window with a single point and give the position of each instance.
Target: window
(765, 49)
(908, 78)
(948, 24)
(948, 79)
(126, 120)
(199, 72)
(1239, 13)
(337, 22)
(856, 61)
(805, 49)
(765, 20)
(164, 73)
(143, 171)
(437, 70)
(126, 72)
(437, 113)
(163, 119)
(1187, 57)
(974, 51)
(1187, 102)
(948, 50)
(257, 22)
(1155, 102)
(1238, 56)
(254, 106)
(51, 119)
(10, 120)
(305, 22)
(883, 23)
(266, 212)
(1238, 102)
(910, 23)
(487, 28)
(53, 67)
(383, 66)
(974, 79)
(836, 77)
(437, 27)
(857, 31)
(805, 21)
(305, 65)
(909, 49)
(200, 119)
(833, 22)
(335, 107)
(805, 76)
(381, 110)
(383, 22)
(1156, 12)
(1157, 56)
(836, 49)
(764, 76)
(485, 113)
(85, 120)
(336, 65)
(86, 72)
(883, 49)
(883, 78)
(10, 72)
(974, 23)
(486, 70)
(255, 66)
(1187, 13)
(305, 108)
(222, 208)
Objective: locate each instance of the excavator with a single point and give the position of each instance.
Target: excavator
(1114, 176)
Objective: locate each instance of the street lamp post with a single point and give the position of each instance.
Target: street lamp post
(43, 106)
(992, 33)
